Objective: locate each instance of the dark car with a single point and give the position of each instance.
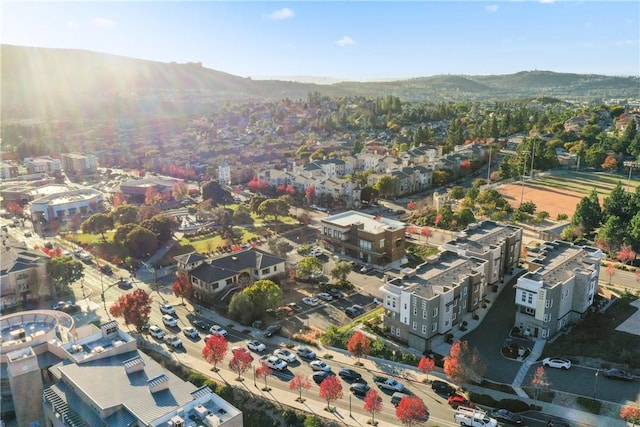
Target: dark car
(618, 374)
(349, 375)
(272, 330)
(443, 388)
(125, 284)
(359, 389)
(354, 311)
(336, 293)
(506, 416)
(105, 269)
(203, 325)
(320, 376)
(306, 353)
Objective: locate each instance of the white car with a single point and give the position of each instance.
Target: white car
(556, 362)
(275, 363)
(167, 309)
(191, 332)
(218, 330)
(173, 341)
(316, 252)
(310, 301)
(169, 321)
(256, 346)
(319, 365)
(156, 332)
(325, 296)
(285, 355)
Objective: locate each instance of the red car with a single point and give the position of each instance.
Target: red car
(456, 400)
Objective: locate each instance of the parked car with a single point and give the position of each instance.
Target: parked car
(457, 400)
(306, 353)
(173, 341)
(397, 396)
(203, 325)
(359, 389)
(286, 311)
(325, 296)
(167, 309)
(556, 362)
(272, 330)
(169, 321)
(319, 365)
(256, 346)
(294, 306)
(106, 269)
(218, 330)
(318, 377)
(191, 332)
(125, 283)
(156, 332)
(354, 311)
(506, 416)
(60, 305)
(310, 301)
(618, 374)
(443, 388)
(336, 293)
(365, 269)
(284, 354)
(350, 375)
(274, 363)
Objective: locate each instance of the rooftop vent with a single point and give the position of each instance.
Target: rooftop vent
(159, 383)
(134, 364)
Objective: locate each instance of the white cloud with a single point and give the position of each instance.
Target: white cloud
(491, 8)
(346, 41)
(547, 1)
(103, 23)
(626, 42)
(71, 25)
(284, 13)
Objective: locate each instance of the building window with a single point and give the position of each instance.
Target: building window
(424, 314)
(547, 303)
(434, 327)
(530, 298)
(529, 310)
(229, 281)
(524, 297)
(435, 311)
(415, 310)
(544, 333)
(365, 244)
(464, 292)
(464, 305)
(546, 317)
(397, 332)
(475, 301)
(415, 325)
(424, 329)
(381, 243)
(393, 330)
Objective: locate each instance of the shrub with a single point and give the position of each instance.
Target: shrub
(590, 405)
(197, 379)
(484, 399)
(312, 421)
(514, 405)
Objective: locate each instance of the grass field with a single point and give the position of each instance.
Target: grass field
(560, 193)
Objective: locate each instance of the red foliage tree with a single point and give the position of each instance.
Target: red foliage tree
(438, 219)
(411, 410)
(151, 196)
(411, 205)
(280, 189)
(118, 199)
(610, 163)
(330, 390)
(240, 362)
(426, 232)
(630, 414)
(182, 286)
(359, 345)
(264, 371)
(611, 271)
(464, 364)
(626, 254)
(373, 404)
(300, 383)
(290, 190)
(426, 365)
(134, 307)
(539, 382)
(215, 348)
(310, 193)
(15, 208)
(465, 167)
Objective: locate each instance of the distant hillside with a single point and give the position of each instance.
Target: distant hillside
(62, 83)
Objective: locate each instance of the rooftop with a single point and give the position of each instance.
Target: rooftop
(481, 236)
(558, 261)
(370, 223)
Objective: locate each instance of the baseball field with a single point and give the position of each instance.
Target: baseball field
(559, 192)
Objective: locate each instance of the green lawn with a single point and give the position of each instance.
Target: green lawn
(585, 182)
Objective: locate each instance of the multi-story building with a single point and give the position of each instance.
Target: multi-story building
(370, 239)
(558, 289)
(23, 275)
(425, 303)
(44, 164)
(8, 170)
(212, 278)
(137, 190)
(64, 205)
(499, 244)
(76, 163)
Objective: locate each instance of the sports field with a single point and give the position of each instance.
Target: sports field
(561, 191)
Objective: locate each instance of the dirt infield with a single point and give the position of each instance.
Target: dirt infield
(553, 200)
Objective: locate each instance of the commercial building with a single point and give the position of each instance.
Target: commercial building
(44, 164)
(371, 239)
(423, 304)
(558, 289)
(79, 164)
(66, 204)
(23, 274)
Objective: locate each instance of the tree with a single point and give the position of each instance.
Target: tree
(242, 309)
(340, 271)
(141, 242)
(263, 372)
(134, 307)
(528, 207)
(457, 192)
(125, 214)
(264, 294)
(279, 247)
(215, 348)
(464, 364)
(359, 345)
(612, 233)
(626, 254)
(307, 266)
(310, 193)
(610, 163)
(242, 215)
(240, 362)
(275, 207)
(330, 390)
(539, 382)
(618, 203)
(387, 185)
(213, 191)
(182, 286)
(152, 196)
(97, 224)
(411, 410)
(63, 271)
(630, 414)
(411, 205)
(179, 190)
(300, 383)
(373, 404)
(426, 232)
(120, 236)
(162, 226)
(426, 365)
(611, 271)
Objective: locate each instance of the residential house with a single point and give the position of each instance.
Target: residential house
(375, 240)
(423, 304)
(558, 289)
(213, 278)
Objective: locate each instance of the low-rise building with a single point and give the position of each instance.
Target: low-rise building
(558, 289)
(370, 239)
(23, 274)
(66, 204)
(79, 164)
(425, 303)
(44, 164)
(213, 278)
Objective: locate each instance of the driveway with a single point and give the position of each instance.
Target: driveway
(491, 334)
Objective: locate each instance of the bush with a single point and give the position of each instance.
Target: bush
(312, 421)
(514, 405)
(197, 379)
(590, 405)
(484, 399)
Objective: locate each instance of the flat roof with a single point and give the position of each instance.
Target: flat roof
(371, 224)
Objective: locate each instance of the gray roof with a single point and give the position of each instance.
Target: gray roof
(189, 258)
(15, 259)
(231, 265)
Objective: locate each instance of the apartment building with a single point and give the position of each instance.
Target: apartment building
(499, 244)
(44, 164)
(23, 274)
(370, 239)
(76, 163)
(8, 170)
(425, 303)
(558, 289)
(213, 278)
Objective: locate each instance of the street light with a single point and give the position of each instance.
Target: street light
(630, 165)
(254, 378)
(595, 385)
(350, 394)
(394, 356)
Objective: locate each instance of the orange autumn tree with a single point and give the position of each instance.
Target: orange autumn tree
(464, 364)
(300, 383)
(330, 390)
(372, 404)
(426, 365)
(359, 345)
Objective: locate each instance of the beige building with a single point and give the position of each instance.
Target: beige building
(23, 276)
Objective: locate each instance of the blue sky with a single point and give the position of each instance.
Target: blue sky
(358, 40)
